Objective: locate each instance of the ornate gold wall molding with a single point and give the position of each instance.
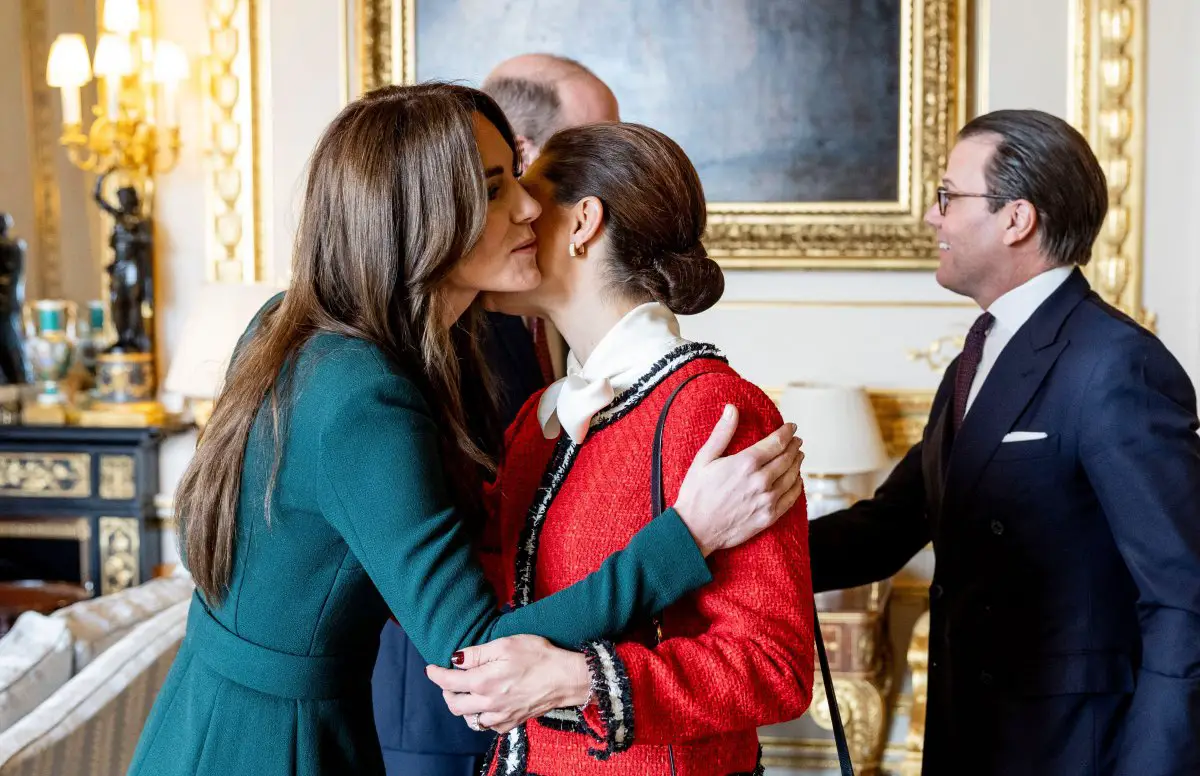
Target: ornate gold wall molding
(380, 28)
(902, 415)
(851, 304)
(1108, 105)
(234, 187)
(46, 239)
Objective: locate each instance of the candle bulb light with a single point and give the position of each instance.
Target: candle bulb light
(114, 61)
(170, 68)
(68, 69)
(137, 129)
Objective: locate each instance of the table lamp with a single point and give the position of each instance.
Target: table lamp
(217, 319)
(841, 437)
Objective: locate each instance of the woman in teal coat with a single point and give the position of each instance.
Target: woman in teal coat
(336, 482)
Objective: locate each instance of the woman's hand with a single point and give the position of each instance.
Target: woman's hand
(725, 502)
(503, 683)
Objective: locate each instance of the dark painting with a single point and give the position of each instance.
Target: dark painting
(773, 100)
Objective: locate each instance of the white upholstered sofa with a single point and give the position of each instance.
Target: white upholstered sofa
(76, 687)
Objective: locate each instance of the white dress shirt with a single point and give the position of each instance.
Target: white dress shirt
(626, 353)
(1011, 312)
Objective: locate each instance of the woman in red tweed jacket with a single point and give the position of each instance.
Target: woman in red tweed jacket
(620, 251)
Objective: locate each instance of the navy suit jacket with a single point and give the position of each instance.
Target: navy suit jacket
(417, 732)
(1065, 605)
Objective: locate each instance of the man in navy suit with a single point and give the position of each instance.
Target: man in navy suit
(420, 737)
(1059, 481)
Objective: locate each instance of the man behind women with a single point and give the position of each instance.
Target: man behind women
(540, 94)
(337, 481)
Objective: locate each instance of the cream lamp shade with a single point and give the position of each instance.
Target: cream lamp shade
(113, 58)
(837, 423)
(218, 317)
(68, 64)
(121, 16)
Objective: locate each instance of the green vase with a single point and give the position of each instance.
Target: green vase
(50, 348)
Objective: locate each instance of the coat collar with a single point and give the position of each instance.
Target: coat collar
(1010, 386)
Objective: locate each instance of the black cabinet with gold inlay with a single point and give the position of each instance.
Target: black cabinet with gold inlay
(78, 502)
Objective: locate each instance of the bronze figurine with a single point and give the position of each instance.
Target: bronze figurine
(14, 367)
(131, 282)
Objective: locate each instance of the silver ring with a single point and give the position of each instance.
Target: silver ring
(473, 723)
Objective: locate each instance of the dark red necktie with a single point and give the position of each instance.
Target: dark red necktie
(968, 364)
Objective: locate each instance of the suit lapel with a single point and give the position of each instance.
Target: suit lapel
(937, 455)
(1010, 386)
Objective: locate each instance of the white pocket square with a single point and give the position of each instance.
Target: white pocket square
(1023, 436)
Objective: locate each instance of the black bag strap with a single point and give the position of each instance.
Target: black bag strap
(658, 506)
(657, 502)
(835, 716)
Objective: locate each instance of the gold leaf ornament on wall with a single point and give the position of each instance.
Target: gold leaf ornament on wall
(234, 180)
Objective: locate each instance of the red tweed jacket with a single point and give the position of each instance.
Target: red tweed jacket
(735, 655)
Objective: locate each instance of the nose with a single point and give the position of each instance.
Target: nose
(933, 216)
(527, 208)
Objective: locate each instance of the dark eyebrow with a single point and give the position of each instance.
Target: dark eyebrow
(493, 172)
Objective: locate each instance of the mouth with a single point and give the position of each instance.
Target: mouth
(529, 246)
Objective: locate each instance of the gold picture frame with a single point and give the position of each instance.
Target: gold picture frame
(1108, 105)
(934, 90)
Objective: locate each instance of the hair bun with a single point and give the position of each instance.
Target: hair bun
(693, 282)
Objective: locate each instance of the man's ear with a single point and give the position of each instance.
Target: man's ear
(1022, 221)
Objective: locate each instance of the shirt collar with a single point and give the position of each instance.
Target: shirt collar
(1017, 306)
(642, 336)
(624, 354)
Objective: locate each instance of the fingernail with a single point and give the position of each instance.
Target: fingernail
(793, 427)
(457, 658)
(728, 411)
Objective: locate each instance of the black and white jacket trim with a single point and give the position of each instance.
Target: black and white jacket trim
(612, 688)
(566, 451)
(614, 699)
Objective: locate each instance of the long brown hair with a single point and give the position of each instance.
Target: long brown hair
(395, 197)
(654, 210)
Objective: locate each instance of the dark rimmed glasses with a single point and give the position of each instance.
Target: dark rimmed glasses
(944, 195)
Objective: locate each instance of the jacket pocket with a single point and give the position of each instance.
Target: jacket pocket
(1075, 674)
(1027, 451)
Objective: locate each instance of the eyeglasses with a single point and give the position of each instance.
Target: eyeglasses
(944, 195)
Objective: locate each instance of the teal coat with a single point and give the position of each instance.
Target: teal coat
(277, 678)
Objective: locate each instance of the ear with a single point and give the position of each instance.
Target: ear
(588, 215)
(527, 151)
(1022, 221)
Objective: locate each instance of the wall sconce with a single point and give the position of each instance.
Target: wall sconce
(135, 127)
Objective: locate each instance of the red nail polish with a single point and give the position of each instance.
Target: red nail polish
(457, 658)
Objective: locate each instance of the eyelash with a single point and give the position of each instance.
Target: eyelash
(493, 192)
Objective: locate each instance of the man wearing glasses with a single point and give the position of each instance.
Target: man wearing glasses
(1059, 481)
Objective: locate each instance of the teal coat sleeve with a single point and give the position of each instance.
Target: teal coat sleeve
(385, 493)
